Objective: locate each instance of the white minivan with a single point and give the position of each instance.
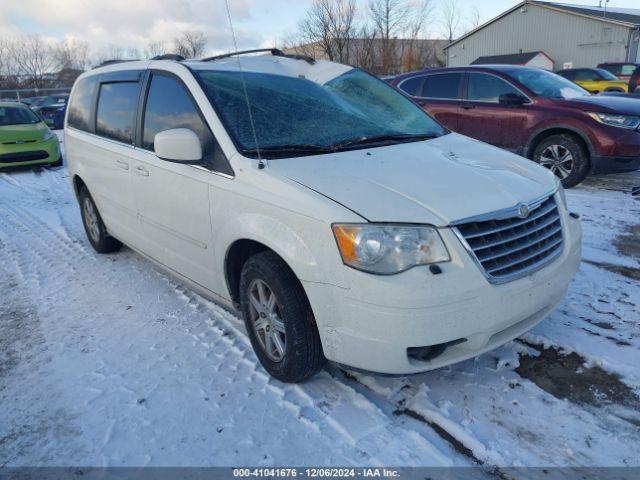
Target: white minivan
(339, 218)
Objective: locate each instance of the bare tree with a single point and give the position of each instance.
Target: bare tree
(155, 48)
(474, 18)
(330, 25)
(71, 55)
(33, 58)
(451, 19)
(190, 44)
(364, 48)
(398, 24)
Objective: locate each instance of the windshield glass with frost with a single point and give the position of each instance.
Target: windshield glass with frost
(289, 111)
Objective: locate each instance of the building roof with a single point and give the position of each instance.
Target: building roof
(628, 17)
(509, 59)
(625, 15)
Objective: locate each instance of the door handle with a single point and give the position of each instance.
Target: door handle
(468, 107)
(122, 164)
(142, 171)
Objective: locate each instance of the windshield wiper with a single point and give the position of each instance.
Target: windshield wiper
(285, 150)
(383, 139)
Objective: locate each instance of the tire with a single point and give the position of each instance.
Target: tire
(565, 156)
(94, 227)
(290, 319)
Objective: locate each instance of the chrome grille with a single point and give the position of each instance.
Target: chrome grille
(509, 248)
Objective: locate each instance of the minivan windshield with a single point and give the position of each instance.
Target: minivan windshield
(546, 84)
(17, 116)
(296, 116)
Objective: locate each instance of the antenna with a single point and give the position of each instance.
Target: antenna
(261, 164)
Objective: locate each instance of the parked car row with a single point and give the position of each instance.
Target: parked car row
(534, 113)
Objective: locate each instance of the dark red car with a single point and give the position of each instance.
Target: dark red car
(534, 113)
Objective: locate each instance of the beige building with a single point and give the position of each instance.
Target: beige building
(573, 36)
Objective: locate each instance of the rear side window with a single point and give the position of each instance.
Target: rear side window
(79, 115)
(168, 106)
(626, 70)
(442, 85)
(116, 114)
(487, 88)
(413, 86)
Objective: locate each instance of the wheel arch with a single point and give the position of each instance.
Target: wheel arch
(539, 135)
(78, 183)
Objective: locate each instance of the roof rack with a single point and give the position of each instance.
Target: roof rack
(169, 56)
(273, 51)
(113, 61)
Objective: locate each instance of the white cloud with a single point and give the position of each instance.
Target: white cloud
(128, 23)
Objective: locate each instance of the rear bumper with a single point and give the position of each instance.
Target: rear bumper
(607, 164)
(372, 327)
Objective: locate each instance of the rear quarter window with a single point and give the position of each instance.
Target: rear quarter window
(81, 104)
(117, 106)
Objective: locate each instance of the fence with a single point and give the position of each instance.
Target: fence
(23, 93)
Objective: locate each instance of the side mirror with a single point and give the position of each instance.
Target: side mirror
(179, 145)
(514, 99)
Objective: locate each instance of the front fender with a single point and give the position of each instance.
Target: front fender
(310, 258)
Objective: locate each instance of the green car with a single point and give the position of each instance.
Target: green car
(25, 139)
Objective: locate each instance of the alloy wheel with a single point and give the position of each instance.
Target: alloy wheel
(558, 159)
(266, 319)
(91, 219)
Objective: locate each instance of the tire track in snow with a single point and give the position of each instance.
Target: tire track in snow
(319, 401)
(325, 405)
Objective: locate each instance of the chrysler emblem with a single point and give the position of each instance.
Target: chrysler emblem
(523, 211)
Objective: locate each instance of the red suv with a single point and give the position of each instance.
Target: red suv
(534, 113)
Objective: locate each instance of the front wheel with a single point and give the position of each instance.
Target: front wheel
(97, 234)
(279, 320)
(565, 156)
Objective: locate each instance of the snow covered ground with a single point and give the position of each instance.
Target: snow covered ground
(106, 362)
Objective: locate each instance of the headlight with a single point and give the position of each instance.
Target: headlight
(561, 193)
(389, 249)
(623, 121)
(47, 135)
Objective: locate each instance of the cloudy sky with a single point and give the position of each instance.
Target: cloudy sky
(135, 23)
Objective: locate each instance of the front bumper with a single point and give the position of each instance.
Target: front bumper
(27, 154)
(371, 325)
(606, 164)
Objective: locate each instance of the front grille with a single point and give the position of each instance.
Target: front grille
(23, 156)
(19, 142)
(509, 248)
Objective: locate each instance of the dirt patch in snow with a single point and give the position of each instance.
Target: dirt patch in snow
(629, 272)
(565, 376)
(629, 243)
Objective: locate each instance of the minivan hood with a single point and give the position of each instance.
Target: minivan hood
(603, 104)
(436, 181)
